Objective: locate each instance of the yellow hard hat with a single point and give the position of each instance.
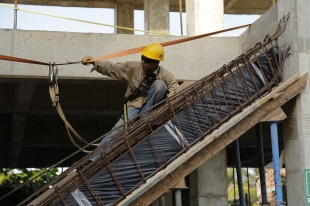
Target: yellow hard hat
(154, 51)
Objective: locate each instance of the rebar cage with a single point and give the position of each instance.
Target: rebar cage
(147, 146)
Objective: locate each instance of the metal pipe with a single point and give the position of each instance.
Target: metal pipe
(181, 23)
(239, 173)
(15, 14)
(276, 162)
(261, 162)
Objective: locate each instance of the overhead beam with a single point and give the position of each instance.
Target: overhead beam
(110, 4)
(231, 4)
(245, 11)
(215, 142)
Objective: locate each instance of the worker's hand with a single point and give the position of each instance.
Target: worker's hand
(171, 93)
(86, 59)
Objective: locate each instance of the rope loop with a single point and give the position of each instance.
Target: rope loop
(54, 95)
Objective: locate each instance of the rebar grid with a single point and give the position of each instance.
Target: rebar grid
(208, 104)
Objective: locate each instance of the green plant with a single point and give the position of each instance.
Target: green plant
(10, 179)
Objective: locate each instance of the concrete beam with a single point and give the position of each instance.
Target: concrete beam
(195, 59)
(243, 7)
(231, 4)
(214, 143)
(138, 4)
(245, 11)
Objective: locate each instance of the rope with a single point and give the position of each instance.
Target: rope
(54, 94)
(81, 20)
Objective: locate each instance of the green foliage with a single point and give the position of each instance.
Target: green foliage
(232, 177)
(253, 194)
(10, 179)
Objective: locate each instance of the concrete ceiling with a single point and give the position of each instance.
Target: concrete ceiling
(230, 6)
(247, 6)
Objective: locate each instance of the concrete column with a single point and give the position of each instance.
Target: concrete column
(296, 129)
(156, 16)
(124, 16)
(178, 198)
(208, 185)
(204, 16)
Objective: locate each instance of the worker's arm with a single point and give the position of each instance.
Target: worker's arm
(121, 71)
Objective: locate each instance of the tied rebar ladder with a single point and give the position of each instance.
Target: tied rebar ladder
(189, 116)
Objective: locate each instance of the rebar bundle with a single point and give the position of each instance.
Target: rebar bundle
(148, 145)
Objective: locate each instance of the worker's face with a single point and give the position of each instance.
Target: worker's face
(149, 65)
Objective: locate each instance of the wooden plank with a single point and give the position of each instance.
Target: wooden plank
(218, 140)
(277, 115)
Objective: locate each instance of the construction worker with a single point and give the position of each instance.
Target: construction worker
(148, 83)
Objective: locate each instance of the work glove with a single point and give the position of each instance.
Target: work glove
(171, 93)
(85, 62)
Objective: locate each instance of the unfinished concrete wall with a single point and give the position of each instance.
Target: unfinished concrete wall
(296, 125)
(266, 24)
(187, 61)
(296, 129)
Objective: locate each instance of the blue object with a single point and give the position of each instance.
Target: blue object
(276, 162)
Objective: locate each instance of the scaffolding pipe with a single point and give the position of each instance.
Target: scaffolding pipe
(261, 162)
(276, 162)
(15, 14)
(239, 173)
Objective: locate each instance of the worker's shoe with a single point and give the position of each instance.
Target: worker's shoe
(84, 165)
